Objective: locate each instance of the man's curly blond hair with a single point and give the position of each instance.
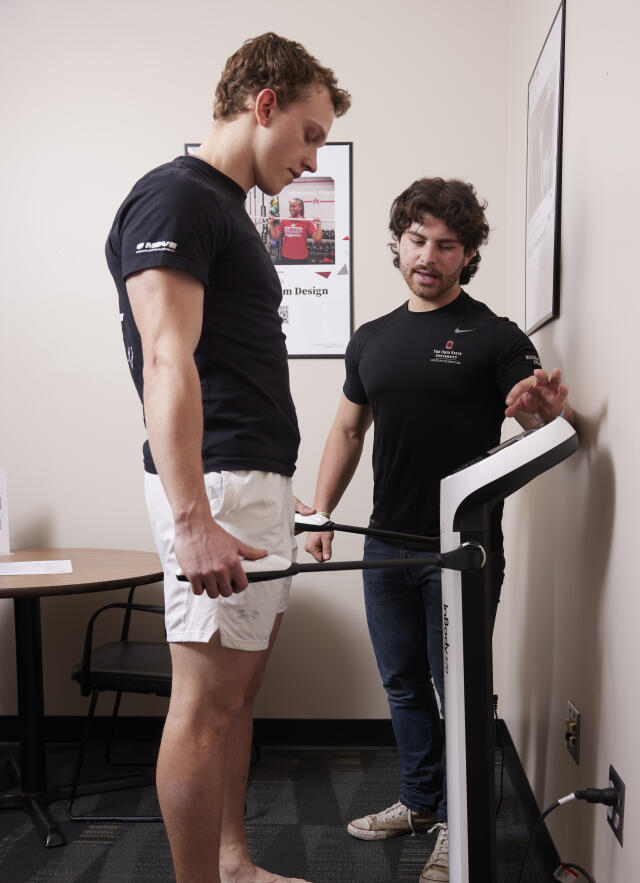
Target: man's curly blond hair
(272, 62)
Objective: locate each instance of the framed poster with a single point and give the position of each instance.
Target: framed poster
(306, 229)
(544, 175)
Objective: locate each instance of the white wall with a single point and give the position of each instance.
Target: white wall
(568, 624)
(93, 96)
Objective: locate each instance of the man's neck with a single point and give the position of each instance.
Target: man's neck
(227, 148)
(423, 305)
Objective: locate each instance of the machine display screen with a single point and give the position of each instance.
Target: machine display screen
(505, 444)
(511, 441)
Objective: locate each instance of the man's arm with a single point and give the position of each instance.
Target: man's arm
(317, 233)
(167, 307)
(275, 230)
(340, 458)
(544, 396)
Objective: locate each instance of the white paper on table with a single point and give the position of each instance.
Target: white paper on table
(33, 568)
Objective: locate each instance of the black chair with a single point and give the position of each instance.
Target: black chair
(123, 666)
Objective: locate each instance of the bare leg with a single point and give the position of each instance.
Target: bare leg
(204, 758)
(234, 856)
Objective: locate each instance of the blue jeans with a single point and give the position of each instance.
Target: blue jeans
(404, 615)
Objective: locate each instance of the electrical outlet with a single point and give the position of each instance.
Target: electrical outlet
(572, 731)
(615, 814)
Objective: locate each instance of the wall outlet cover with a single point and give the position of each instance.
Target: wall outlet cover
(615, 814)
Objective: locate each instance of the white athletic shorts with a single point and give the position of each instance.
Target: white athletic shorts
(258, 509)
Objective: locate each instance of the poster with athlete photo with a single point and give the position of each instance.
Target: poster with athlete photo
(306, 229)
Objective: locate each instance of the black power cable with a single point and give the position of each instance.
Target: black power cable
(608, 796)
(580, 870)
(499, 746)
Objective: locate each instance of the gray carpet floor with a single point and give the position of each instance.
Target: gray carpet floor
(299, 801)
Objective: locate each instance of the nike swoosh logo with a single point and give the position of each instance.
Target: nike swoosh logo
(464, 330)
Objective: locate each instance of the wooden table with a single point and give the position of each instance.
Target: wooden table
(94, 570)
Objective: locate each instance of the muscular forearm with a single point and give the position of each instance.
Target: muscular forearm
(339, 461)
(173, 412)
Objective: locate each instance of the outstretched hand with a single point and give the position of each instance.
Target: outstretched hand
(302, 509)
(539, 394)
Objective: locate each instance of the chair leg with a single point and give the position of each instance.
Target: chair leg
(81, 754)
(107, 751)
(114, 718)
(116, 785)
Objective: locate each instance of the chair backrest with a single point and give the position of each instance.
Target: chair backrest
(124, 665)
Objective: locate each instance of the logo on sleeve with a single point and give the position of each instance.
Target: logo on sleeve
(160, 245)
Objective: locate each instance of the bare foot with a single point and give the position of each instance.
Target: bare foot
(252, 874)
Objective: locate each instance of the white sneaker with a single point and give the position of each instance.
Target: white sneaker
(391, 822)
(436, 869)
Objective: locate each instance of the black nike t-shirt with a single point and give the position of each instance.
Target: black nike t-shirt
(188, 216)
(437, 383)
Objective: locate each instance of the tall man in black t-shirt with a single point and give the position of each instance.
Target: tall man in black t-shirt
(199, 300)
(433, 376)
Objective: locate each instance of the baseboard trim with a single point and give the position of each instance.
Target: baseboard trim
(520, 782)
(328, 733)
(268, 731)
(70, 728)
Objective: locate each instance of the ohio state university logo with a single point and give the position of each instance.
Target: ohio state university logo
(447, 355)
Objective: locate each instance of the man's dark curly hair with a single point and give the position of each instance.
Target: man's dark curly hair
(273, 62)
(454, 202)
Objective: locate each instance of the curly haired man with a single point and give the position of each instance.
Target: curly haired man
(434, 377)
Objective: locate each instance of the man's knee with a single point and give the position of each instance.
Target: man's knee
(219, 700)
(207, 712)
(408, 689)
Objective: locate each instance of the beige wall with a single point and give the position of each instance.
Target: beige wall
(95, 95)
(568, 625)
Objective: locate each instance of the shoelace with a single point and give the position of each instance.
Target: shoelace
(442, 843)
(391, 813)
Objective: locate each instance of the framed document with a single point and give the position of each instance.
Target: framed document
(544, 174)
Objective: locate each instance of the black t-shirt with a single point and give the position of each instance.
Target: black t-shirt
(437, 383)
(188, 216)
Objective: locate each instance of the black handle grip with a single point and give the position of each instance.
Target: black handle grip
(468, 556)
